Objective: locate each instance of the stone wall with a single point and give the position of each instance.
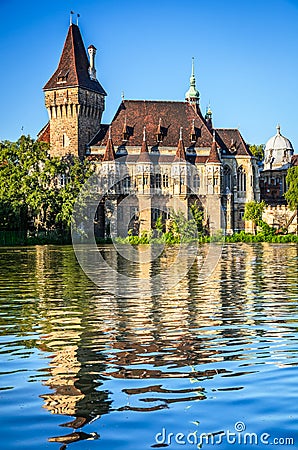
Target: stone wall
(75, 116)
(279, 216)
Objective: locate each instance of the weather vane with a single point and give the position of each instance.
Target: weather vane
(71, 14)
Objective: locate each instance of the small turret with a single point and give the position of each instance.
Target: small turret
(213, 155)
(192, 95)
(92, 70)
(144, 154)
(180, 153)
(109, 151)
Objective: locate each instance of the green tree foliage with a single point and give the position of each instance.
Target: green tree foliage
(292, 193)
(254, 211)
(257, 151)
(31, 194)
(198, 215)
(181, 228)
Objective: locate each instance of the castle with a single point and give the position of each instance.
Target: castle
(169, 154)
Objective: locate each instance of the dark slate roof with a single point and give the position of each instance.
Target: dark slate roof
(44, 134)
(231, 140)
(136, 114)
(73, 65)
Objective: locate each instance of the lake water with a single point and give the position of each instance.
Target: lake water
(210, 363)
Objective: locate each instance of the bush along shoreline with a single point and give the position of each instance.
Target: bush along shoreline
(14, 239)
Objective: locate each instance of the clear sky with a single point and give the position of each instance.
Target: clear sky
(246, 58)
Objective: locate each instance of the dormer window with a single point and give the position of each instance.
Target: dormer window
(127, 131)
(161, 132)
(62, 76)
(125, 135)
(193, 134)
(233, 146)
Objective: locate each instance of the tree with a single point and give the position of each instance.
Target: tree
(22, 182)
(198, 215)
(182, 229)
(31, 193)
(292, 193)
(254, 211)
(257, 151)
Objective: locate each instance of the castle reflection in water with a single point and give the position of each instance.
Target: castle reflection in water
(98, 341)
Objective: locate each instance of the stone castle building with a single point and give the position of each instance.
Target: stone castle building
(279, 157)
(168, 154)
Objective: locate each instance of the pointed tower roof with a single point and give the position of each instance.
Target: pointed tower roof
(180, 153)
(73, 66)
(109, 151)
(213, 155)
(192, 94)
(144, 154)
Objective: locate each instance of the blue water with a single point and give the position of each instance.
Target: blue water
(84, 369)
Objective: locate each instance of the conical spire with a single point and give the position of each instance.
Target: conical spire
(73, 67)
(180, 153)
(144, 154)
(109, 151)
(192, 95)
(213, 155)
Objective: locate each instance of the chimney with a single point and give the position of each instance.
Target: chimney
(92, 70)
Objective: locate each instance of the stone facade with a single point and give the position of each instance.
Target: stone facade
(279, 157)
(167, 154)
(281, 217)
(74, 116)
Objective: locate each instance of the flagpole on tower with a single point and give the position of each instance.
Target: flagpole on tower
(78, 15)
(71, 14)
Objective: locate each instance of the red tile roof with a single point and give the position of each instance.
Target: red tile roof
(139, 113)
(213, 155)
(109, 152)
(180, 153)
(73, 66)
(232, 140)
(44, 134)
(133, 115)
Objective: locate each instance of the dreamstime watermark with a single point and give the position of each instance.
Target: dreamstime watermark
(238, 436)
(152, 269)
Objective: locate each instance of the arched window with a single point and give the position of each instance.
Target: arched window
(227, 179)
(196, 182)
(241, 179)
(165, 180)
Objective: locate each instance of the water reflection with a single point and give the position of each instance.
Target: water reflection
(144, 353)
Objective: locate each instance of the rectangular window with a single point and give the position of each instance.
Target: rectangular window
(165, 180)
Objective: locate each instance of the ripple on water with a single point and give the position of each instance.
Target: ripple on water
(199, 357)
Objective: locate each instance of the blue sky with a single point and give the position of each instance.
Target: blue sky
(246, 58)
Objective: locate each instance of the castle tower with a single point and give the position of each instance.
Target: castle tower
(74, 98)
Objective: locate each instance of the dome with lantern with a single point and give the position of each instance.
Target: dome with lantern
(278, 152)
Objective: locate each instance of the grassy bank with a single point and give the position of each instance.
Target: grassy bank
(19, 238)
